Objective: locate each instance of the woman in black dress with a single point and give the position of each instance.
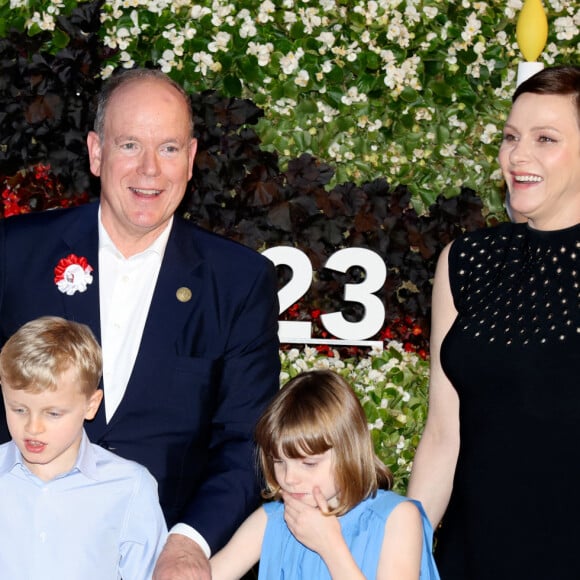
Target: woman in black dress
(499, 461)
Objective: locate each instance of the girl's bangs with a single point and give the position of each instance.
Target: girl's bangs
(296, 443)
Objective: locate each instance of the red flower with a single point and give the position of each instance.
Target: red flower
(294, 310)
(12, 204)
(387, 334)
(325, 349)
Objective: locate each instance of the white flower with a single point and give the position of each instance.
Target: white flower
(44, 21)
(448, 150)
(266, 10)
(302, 78)
(326, 38)
(167, 61)
(455, 122)
(376, 376)
(565, 27)
(290, 62)
(263, 52)
(322, 363)
(431, 11)
(248, 29)
(220, 42)
(126, 60)
(203, 60)
(293, 354)
(490, 131)
(301, 364)
(198, 12)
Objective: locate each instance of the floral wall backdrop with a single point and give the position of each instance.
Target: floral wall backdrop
(413, 91)
(321, 125)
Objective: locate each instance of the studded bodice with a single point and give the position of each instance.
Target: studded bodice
(513, 356)
(517, 286)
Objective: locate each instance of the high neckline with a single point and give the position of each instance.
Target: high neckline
(534, 233)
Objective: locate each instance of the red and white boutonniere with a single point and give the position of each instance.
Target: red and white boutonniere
(73, 274)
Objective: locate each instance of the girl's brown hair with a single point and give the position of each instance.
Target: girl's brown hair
(314, 412)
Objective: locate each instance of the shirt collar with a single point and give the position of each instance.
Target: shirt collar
(86, 461)
(157, 247)
(11, 458)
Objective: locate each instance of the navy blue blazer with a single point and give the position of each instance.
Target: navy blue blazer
(205, 370)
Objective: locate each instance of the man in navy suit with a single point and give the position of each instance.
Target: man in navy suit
(187, 319)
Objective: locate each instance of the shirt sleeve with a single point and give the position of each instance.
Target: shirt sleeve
(192, 534)
(144, 531)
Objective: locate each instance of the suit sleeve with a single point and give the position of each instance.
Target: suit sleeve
(249, 379)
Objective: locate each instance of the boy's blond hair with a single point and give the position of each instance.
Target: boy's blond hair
(35, 356)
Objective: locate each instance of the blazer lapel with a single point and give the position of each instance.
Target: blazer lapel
(82, 238)
(175, 297)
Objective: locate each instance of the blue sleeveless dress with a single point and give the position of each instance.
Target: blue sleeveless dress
(285, 558)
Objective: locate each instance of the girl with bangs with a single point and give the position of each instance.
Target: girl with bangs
(331, 514)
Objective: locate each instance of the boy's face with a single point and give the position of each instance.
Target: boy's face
(47, 427)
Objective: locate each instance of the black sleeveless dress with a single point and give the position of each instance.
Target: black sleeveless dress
(513, 355)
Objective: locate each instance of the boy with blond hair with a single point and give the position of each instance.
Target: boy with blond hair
(68, 509)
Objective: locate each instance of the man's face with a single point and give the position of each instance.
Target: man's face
(144, 160)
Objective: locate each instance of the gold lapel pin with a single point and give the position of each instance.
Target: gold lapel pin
(183, 294)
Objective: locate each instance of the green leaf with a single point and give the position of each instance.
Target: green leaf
(232, 86)
(441, 89)
(249, 68)
(409, 95)
(60, 39)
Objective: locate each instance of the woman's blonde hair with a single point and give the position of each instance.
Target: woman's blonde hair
(314, 412)
(36, 355)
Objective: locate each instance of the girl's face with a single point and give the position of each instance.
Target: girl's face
(298, 477)
(540, 160)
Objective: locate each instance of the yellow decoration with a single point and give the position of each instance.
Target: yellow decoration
(532, 29)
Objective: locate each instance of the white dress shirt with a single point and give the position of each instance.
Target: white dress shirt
(126, 287)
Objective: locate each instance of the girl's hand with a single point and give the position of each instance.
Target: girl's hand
(310, 525)
(322, 534)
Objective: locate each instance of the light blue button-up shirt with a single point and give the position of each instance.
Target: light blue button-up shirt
(100, 521)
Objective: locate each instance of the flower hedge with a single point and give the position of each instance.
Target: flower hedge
(411, 91)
